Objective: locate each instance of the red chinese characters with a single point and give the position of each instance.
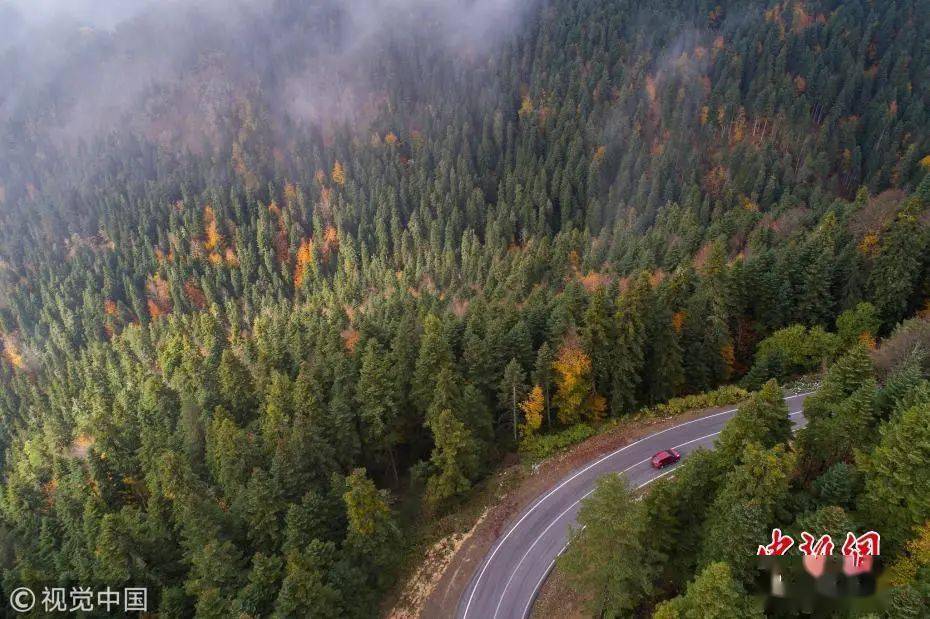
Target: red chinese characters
(858, 552)
(779, 546)
(821, 547)
(815, 553)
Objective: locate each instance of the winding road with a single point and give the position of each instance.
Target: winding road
(508, 580)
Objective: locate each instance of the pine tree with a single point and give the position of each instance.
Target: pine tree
(705, 338)
(662, 368)
(675, 508)
(264, 580)
(897, 491)
(236, 388)
(762, 420)
(742, 512)
(377, 408)
(214, 577)
(543, 375)
(844, 377)
(448, 394)
(841, 415)
(261, 506)
(714, 594)
(307, 588)
(229, 453)
(599, 338)
(893, 278)
(372, 531)
(630, 344)
(452, 460)
(605, 557)
(511, 390)
(434, 357)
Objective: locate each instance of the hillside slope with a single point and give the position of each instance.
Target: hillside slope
(263, 310)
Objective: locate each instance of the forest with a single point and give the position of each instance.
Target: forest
(856, 466)
(259, 328)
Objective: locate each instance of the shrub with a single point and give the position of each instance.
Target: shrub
(791, 351)
(728, 394)
(855, 324)
(543, 446)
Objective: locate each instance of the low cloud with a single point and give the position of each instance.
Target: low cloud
(83, 65)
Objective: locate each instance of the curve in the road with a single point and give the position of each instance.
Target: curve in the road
(508, 580)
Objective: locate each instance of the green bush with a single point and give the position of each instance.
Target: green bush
(728, 394)
(791, 351)
(854, 324)
(544, 445)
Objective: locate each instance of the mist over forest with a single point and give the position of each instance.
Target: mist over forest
(283, 282)
(172, 71)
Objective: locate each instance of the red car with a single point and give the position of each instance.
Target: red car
(664, 458)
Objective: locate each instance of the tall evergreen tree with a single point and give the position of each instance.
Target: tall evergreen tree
(377, 408)
(605, 555)
(511, 391)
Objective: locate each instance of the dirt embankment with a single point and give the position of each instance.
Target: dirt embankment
(435, 588)
(558, 599)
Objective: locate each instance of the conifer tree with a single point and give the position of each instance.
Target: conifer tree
(631, 341)
(452, 459)
(511, 390)
(434, 357)
(605, 556)
(599, 338)
(896, 495)
(543, 375)
(377, 407)
(372, 531)
(762, 420)
(662, 367)
(236, 388)
(714, 594)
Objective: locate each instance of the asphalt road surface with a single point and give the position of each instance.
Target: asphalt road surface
(507, 582)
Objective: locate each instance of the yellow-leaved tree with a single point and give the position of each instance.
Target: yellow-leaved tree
(575, 398)
(904, 571)
(532, 407)
(339, 174)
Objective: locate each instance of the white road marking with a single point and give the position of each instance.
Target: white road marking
(542, 579)
(572, 506)
(494, 552)
(559, 517)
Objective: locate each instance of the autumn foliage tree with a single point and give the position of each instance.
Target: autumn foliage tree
(575, 398)
(533, 408)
